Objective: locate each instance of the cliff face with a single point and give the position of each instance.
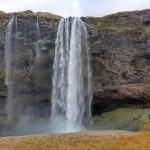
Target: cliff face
(120, 49)
(120, 58)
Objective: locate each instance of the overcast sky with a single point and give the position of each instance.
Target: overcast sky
(67, 8)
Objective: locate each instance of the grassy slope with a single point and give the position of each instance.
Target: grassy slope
(132, 119)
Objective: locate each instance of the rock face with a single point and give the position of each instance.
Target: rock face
(120, 57)
(120, 49)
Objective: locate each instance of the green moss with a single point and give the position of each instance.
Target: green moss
(124, 119)
(22, 76)
(4, 17)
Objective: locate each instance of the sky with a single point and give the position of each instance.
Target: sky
(66, 8)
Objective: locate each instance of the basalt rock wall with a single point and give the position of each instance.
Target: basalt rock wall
(120, 52)
(120, 58)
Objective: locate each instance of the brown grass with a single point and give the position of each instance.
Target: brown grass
(80, 141)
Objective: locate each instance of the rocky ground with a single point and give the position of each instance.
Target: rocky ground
(93, 140)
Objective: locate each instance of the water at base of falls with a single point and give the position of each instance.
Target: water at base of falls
(72, 92)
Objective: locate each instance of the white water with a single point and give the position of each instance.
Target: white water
(37, 46)
(72, 92)
(37, 51)
(8, 59)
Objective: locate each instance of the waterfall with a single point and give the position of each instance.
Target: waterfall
(37, 46)
(38, 33)
(14, 61)
(37, 50)
(8, 60)
(72, 92)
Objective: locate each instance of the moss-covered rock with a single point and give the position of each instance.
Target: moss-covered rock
(124, 119)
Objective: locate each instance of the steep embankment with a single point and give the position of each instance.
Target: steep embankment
(120, 58)
(106, 140)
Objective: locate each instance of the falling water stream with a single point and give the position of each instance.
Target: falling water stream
(72, 92)
(15, 96)
(8, 60)
(37, 45)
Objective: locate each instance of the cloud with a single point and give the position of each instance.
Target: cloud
(105, 7)
(67, 8)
